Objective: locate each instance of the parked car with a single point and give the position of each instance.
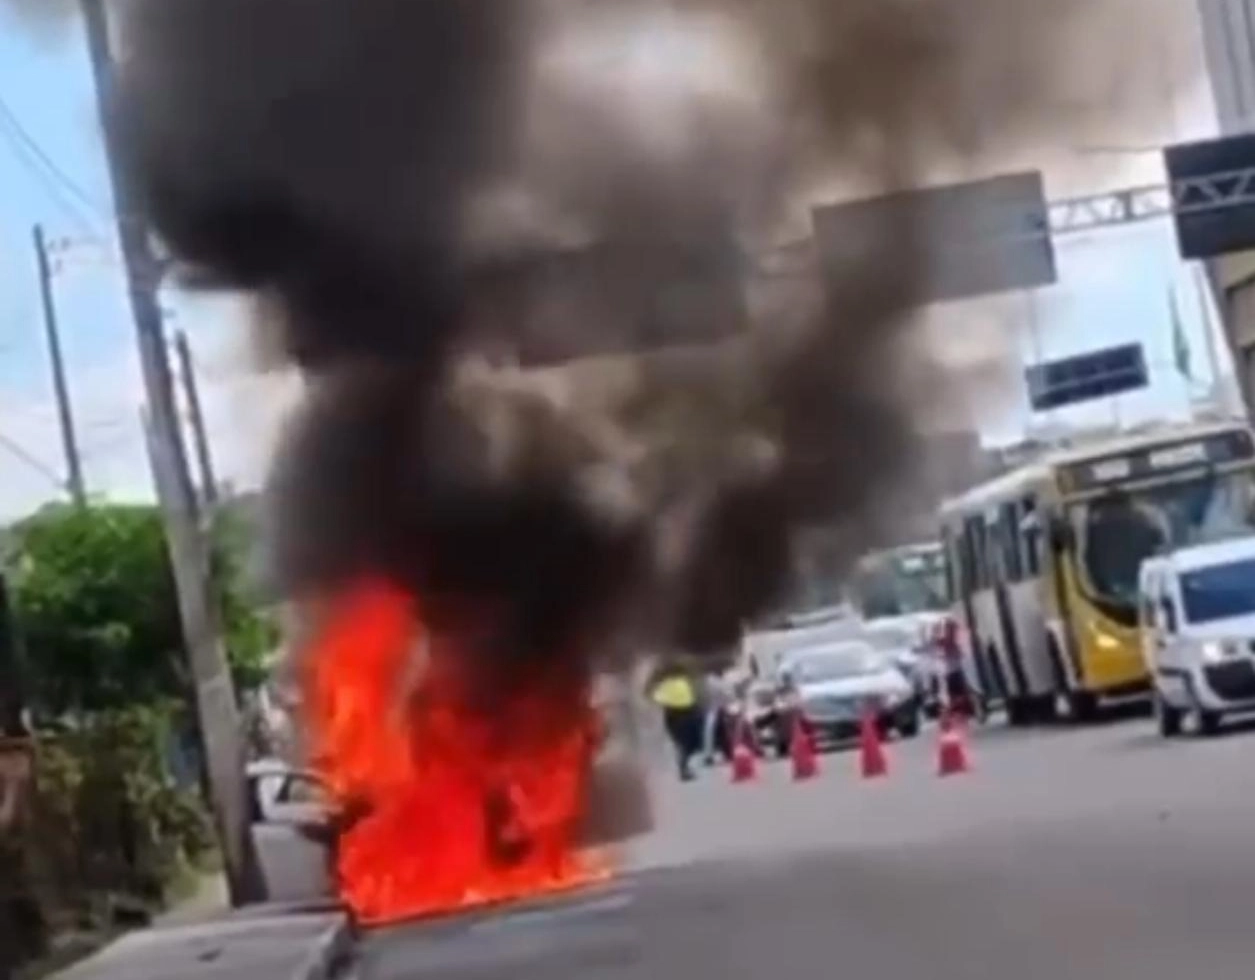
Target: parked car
(293, 831)
(832, 685)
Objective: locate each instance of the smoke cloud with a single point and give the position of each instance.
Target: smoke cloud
(407, 184)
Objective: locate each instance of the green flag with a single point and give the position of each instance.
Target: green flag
(1180, 346)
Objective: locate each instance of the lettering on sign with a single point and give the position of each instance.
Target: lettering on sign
(1192, 452)
(1111, 469)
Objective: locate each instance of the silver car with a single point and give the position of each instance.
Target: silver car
(830, 687)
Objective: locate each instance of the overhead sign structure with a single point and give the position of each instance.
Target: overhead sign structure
(1085, 377)
(1213, 195)
(973, 239)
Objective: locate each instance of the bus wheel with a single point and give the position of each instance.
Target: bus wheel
(1019, 712)
(1047, 706)
(1082, 707)
(1209, 723)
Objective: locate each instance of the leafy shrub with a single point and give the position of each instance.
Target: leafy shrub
(109, 825)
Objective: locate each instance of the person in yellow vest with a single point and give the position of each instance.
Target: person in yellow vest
(676, 695)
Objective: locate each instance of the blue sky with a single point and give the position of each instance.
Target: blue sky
(1114, 287)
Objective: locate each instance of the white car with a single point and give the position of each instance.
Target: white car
(1197, 619)
(832, 685)
(292, 831)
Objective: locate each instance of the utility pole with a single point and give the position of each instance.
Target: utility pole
(219, 716)
(73, 461)
(196, 418)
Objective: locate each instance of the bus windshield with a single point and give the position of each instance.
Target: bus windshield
(901, 584)
(1115, 533)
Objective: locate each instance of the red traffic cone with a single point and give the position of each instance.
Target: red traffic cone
(802, 751)
(951, 752)
(744, 764)
(872, 760)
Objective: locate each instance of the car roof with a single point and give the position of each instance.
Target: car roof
(827, 650)
(1212, 553)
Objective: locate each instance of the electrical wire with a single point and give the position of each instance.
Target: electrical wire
(29, 141)
(35, 464)
(68, 194)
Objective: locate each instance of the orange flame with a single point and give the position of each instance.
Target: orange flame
(454, 805)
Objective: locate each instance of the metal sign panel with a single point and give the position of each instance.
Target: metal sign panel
(1099, 374)
(1213, 186)
(973, 239)
(1160, 460)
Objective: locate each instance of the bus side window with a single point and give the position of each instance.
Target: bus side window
(974, 548)
(963, 563)
(991, 572)
(1031, 533)
(951, 563)
(1009, 542)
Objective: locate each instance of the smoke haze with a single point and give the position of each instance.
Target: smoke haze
(394, 178)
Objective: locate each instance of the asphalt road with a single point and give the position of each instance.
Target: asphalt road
(1098, 853)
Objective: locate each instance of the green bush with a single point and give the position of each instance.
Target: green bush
(95, 603)
(110, 827)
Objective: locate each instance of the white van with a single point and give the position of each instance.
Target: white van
(1197, 618)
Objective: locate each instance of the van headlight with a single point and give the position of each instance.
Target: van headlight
(1216, 651)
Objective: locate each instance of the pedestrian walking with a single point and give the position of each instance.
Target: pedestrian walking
(676, 695)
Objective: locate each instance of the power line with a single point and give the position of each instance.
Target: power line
(19, 133)
(46, 471)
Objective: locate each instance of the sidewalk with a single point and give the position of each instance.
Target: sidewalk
(265, 943)
(207, 900)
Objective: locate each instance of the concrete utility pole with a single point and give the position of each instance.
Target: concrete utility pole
(196, 418)
(220, 727)
(73, 460)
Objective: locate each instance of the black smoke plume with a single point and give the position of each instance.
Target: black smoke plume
(402, 179)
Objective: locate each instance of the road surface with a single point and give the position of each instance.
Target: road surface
(1098, 853)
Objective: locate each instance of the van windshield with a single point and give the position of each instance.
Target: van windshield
(1219, 592)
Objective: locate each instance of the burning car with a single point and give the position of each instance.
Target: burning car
(444, 802)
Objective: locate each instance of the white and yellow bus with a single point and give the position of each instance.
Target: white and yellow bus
(1044, 561)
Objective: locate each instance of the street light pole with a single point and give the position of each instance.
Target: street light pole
(219, 716)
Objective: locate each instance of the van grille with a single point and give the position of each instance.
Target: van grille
(1233, 681)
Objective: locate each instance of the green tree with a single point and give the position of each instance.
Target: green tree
(95, 599)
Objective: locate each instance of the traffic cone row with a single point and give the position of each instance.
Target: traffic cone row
(952, 755)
